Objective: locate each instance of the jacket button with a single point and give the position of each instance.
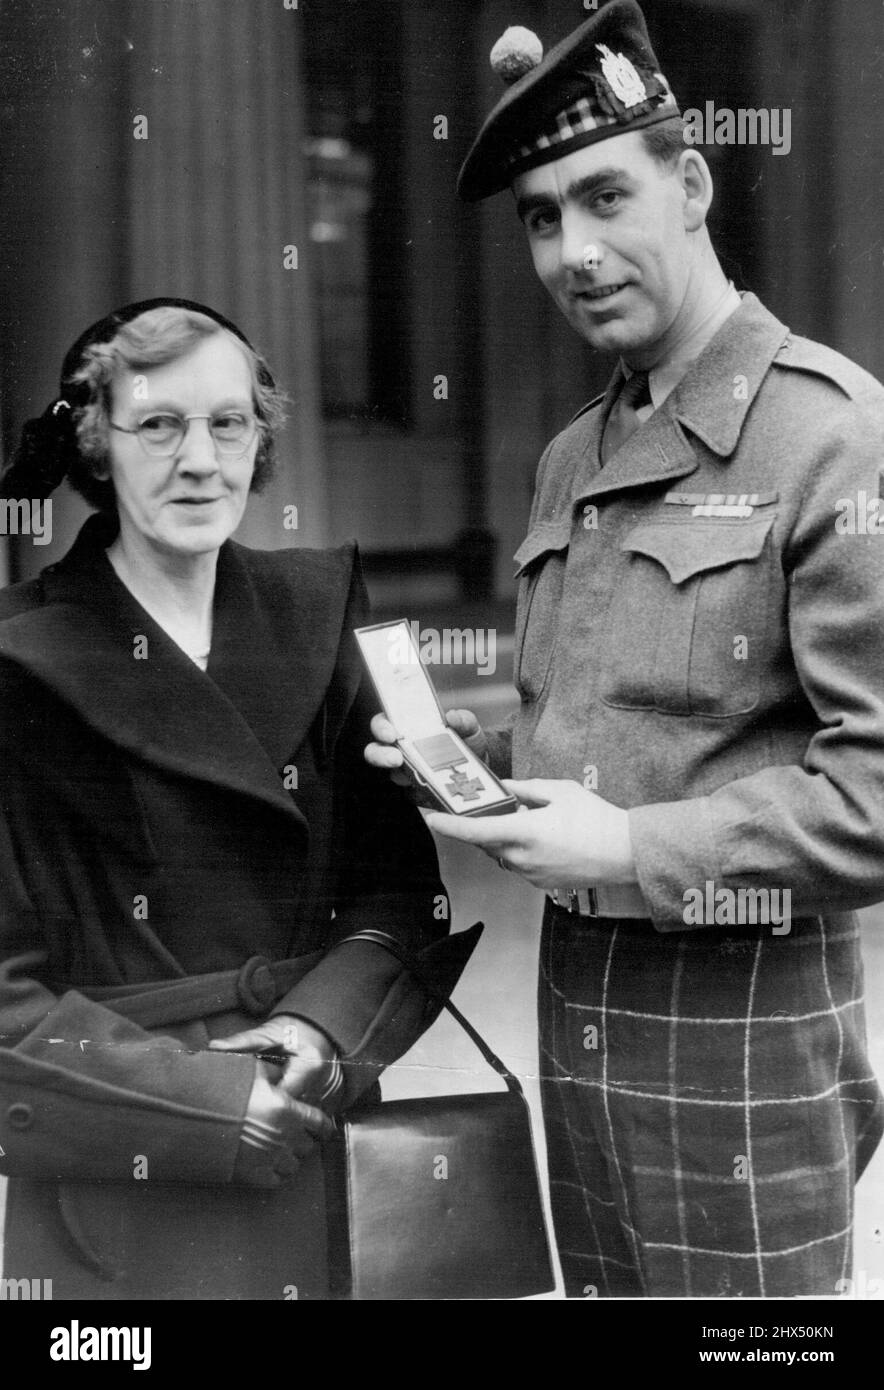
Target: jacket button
(20, 1116)
(256, 987)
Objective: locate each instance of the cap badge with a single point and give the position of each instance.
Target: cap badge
(622, 77)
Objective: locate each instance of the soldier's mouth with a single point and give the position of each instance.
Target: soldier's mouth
(599, 292)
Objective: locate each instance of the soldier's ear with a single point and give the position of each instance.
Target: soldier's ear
(695, 177)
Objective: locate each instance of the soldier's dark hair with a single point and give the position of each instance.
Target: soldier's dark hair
(664, 142)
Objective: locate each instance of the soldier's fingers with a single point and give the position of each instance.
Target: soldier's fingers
(496, 835)
(534, 791)
(463, 722)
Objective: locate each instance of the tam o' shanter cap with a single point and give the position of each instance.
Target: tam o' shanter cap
(600, 81)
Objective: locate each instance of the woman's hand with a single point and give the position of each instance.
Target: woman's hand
(383, 753)
(277, 1133)
(310, 1056)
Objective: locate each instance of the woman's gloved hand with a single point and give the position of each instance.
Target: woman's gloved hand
(311, 1070)
(277, 1132)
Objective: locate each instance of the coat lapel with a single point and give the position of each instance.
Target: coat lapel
(657, 452)
(590, 464)
(276, 640)
(234, 731)
(740, 355)
(738, 359)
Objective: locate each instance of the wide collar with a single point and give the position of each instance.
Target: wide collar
(665, 376)
(711, 403)
(278, 621)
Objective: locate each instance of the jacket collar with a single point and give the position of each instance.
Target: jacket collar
(741, 352)
(274, 652)
(711, 403)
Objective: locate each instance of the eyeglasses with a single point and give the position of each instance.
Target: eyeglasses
(161, 436)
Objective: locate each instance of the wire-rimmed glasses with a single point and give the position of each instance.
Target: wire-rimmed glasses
(162, 434)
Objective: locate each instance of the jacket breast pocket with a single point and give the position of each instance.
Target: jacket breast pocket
(541, 560)
(686, 627)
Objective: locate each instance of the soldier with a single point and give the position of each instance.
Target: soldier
(701, 733)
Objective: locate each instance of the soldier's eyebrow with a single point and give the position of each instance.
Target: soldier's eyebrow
(531, 202)
(580, 188)
(593, 183)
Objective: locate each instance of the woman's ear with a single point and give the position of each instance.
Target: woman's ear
(265, 459)
(696, 181)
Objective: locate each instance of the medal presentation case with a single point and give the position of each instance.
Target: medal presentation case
(441, 763)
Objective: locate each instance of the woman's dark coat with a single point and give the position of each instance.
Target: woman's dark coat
(148, 834)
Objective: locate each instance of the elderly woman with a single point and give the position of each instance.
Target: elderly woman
(188, 836)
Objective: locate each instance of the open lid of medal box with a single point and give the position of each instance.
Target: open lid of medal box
(441, 762)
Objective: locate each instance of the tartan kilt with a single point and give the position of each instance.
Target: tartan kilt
(708, 1105)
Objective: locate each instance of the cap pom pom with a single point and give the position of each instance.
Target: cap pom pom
(516, 52)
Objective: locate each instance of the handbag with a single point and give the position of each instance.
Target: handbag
(437, 1197)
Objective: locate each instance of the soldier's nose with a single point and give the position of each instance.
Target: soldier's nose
(579, 252)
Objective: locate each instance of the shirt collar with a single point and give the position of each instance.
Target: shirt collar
(666, 375)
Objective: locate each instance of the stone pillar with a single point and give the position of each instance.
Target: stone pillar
(216, 194)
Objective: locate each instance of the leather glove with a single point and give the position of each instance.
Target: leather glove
(311, 1069)
(278, 1131)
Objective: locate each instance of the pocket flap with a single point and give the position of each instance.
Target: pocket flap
(545, 536)
(685, 548)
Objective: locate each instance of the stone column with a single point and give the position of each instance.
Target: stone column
(216, 193)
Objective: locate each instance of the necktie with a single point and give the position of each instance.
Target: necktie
(623, 419)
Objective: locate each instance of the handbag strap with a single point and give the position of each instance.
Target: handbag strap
(390, 943)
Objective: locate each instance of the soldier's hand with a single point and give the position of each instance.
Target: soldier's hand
(465, 723)
(569, 838)
(277, 1133)
(383, 753)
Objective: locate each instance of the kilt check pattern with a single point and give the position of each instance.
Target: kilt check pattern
(700, 1146)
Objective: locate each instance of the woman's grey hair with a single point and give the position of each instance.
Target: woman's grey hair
(153, 339)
